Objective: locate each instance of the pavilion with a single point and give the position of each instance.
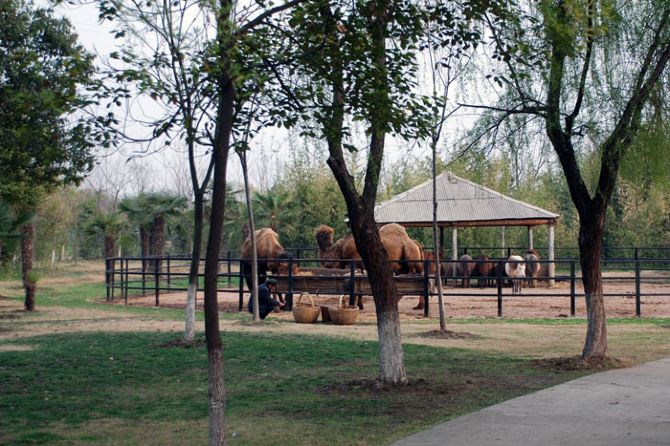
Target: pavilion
(462, 203)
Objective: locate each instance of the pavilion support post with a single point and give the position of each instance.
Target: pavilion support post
(551, 267)
(530, 237)
(502, 250)
(441, 242)
(454, 244)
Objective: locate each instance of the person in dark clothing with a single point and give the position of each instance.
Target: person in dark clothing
(266, 304)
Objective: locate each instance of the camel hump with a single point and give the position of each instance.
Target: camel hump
(393, 229)
(267, 244)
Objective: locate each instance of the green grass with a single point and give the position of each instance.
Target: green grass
(106, 388)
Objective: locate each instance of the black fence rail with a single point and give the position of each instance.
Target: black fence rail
(128, 277)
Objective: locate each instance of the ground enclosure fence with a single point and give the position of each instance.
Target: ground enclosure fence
(131, 277)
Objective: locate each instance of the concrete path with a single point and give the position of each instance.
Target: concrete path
(619, 407)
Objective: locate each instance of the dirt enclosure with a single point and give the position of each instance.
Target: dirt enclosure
(540, 302)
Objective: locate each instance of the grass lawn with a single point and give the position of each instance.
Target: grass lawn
(129, 388)
(287, 384)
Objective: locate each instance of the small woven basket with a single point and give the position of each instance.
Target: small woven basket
(343, 315)
(305, 313)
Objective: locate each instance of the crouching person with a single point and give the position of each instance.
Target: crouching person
(266, 304)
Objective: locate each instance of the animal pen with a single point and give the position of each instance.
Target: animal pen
(132, 279)
(461, 204)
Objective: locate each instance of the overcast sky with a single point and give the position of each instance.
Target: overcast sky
(270, 150)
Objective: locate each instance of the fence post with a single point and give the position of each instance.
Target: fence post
(499, 280)
(125, 289)
(230, 279)
(168, 272)
(241, 288)
(107, 279)
(113, 277)
(144, 276)
(289, 294)
(637, 285)
(426, 292)
(572, 288)
(352, 275)
(157, 280)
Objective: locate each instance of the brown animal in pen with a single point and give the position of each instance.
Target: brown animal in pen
(404, 253)
(532, 259)
(484, 269)
(270, 254)
(465, 268)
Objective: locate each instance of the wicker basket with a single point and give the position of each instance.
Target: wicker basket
(342, 315)
(305, 313)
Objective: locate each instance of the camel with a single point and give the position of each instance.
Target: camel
(465, 268)
(484, 270)
(405, 254)
(515, 268)
(268, 249)
(532, 259)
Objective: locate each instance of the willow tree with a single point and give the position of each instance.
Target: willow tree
(585, 70)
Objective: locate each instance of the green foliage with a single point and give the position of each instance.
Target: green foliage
(43, 73)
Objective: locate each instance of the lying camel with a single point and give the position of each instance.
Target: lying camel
(405, 254)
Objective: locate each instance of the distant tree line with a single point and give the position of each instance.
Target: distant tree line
(82, 224)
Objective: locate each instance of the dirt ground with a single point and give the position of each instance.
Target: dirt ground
(547, 339)
(539, 302)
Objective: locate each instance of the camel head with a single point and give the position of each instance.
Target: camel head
(282, 264)
(324, 237)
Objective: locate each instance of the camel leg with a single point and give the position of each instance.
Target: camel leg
(420, 304)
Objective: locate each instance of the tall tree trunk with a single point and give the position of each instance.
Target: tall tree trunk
(109, 246)
(189, 325)
(145, 247)
(28, 232)
(590, 245)
(159, 240)
(252, 231)
(360, 208)
(220, 152)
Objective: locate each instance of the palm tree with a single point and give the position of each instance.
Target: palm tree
(136, 210)
(109, 224)
(160, 206)
(271, 208)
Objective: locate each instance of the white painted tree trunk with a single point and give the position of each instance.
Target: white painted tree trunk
(391, 356)
(189, 326)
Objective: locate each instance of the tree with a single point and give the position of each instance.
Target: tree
(350, 72)
(271, 207)
(227, 76)
(169, 68)
(109, 224)
(586, 70)
(44, 75)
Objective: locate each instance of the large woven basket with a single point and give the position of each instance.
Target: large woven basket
(343, 315)
(305, 313)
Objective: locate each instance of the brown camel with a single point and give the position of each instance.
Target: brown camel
(484, 270)
(404, 253)
(270, 253)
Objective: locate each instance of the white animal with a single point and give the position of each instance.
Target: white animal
(515, 268)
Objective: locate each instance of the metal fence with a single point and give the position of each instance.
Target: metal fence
(155, 275)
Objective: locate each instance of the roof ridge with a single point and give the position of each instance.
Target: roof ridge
(447, 173)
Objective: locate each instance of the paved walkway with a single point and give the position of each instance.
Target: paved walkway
(615, 408)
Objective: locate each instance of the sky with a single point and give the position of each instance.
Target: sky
(130, 172)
